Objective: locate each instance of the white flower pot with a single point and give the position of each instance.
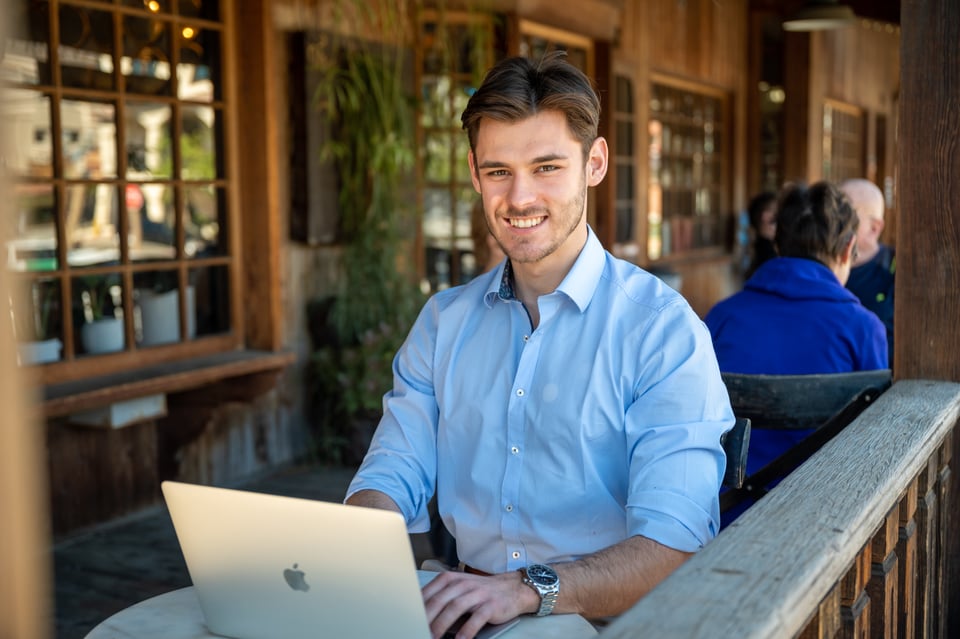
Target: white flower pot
(41, 352)
(160, 317)
(102, 336)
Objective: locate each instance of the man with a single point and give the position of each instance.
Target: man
(566, 406)
(874, 269)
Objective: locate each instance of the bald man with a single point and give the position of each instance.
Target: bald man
(874, 267)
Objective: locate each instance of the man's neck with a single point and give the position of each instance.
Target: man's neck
(866, 256)
(531, 280)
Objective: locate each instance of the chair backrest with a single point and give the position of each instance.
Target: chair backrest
(735, 443)
(801, 401)
(823, 403)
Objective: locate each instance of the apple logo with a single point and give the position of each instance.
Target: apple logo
(295, 578)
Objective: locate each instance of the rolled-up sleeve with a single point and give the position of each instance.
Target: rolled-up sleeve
(673, 429)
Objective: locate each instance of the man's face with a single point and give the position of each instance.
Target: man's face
(533, 182)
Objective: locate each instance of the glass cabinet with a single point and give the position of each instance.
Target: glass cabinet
(688, 143)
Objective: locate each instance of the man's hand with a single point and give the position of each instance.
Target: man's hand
(494, 599)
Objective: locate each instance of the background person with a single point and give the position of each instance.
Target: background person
(874, 269)
(762, 211)
(566, 408)
(794, 316)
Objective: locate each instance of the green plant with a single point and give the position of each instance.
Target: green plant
(98, 296)
(365, 93)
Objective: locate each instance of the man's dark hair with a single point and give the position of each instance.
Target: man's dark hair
(518, 88)
(816, 222)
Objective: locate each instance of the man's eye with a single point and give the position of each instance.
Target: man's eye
(547, 168)
(497, 173)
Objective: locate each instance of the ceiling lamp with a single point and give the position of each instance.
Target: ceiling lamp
(818, 15)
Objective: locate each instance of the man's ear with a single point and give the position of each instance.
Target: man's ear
(472, 162)
(597, 161)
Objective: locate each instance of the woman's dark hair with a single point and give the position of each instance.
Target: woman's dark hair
(760, 203)
(816, 222)
(518, 88)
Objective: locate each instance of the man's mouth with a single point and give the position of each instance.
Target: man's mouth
(525, 222)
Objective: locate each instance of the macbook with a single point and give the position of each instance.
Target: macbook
(265, 566)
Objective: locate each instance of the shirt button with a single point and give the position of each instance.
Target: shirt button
(509, 508)
(526, 338)
(514, 450)
(519, 392)
(516, 555)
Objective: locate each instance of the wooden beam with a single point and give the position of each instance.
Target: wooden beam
(927, 311)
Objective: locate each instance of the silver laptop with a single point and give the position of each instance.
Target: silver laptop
(270, 567)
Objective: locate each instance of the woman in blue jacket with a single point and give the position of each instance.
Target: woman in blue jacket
(794, 315)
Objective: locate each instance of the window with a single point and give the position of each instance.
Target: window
(842, 141)
(455, 49)
(687, 193)
(537, 39)
(624, 160)
(122, 223)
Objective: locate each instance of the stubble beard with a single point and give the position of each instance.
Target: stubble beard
(525, 251)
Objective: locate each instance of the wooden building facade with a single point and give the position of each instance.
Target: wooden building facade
(154, 166)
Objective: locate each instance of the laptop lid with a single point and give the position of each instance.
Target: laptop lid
(265, 566)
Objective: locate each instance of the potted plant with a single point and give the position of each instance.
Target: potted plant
(102, 330)
(364, 92)
(38, 338)
(158, 304)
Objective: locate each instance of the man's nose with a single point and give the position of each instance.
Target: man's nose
(522, 192)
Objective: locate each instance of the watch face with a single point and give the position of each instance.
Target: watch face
(543, 575)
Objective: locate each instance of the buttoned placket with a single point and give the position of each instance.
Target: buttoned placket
(517, 411)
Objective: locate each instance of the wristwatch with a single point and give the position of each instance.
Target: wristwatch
(546, 582)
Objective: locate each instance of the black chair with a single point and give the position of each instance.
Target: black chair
(825, 403)
(736, 442)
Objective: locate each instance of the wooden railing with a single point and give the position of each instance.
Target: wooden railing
(860, 541)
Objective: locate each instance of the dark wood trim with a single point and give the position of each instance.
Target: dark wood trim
(70, 397)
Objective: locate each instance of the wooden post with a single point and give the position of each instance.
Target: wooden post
(24, 531)
(926, 333)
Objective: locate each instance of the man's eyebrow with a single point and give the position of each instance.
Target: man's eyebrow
(494, 164)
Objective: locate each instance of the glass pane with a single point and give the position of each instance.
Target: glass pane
(86, 48)
(437, 156)
(206, 220)
(35, 308)
(212, 285)
(98, 314)
(33, 246)
(146, 56)
(624, 223)
(199, 143)
(625, 188)
(26, 147)
(198, 74)
(91, 224)
(461, 167)
(435, 94)
(157, 300)
(152, 215)
(24, 55)
(625, 138)
(206, 9)
(89, 132)
(149, 140)
(437, 225)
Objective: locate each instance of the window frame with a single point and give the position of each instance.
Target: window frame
(73, 365)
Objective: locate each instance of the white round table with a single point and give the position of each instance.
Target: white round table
(177, 615)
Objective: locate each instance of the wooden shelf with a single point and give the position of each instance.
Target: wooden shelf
(70, 397)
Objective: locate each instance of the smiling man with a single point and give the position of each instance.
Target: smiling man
(566, 407)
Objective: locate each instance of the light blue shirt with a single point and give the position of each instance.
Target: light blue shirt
(550, 444)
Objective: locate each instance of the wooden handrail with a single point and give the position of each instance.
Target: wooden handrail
(806, 556)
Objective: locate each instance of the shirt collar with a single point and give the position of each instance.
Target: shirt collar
(579, 283)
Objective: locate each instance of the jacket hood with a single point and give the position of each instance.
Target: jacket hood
(798, 278)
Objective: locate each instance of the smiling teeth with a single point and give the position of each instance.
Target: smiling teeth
(525, 223)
